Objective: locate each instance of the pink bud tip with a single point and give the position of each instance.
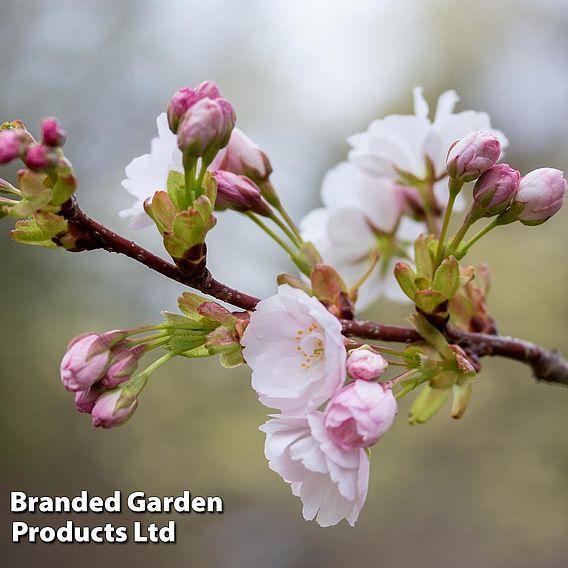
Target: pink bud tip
(10, 145)
(105, 413)
(495, 189)
(474, 154)
(51, 132)
(359, 414)
(186, 97)
(39, 157)
(236, 192)
(365, 364)
(206, 127)
(123, 363)
(542, 194)
(84, 363)
(85, 399)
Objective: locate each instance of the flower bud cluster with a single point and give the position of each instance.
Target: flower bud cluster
(93, 366)
(202, 120)
(500, 190)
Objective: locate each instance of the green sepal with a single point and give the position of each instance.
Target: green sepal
(423, 257)
(175, 185)
(306, 258)
(428, 300)
(209, 187)
(461, 395)
(447, 278)
(431, 335)
(427, 404)
(161, 210)
(36, 194)
(294, 282)
(406, 278)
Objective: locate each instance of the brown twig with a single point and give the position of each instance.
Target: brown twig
(547, 365)
(92, 235)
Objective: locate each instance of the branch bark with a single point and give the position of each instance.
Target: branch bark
(547, 365)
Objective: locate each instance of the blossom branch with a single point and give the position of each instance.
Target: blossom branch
(92, 235)
(547, 365)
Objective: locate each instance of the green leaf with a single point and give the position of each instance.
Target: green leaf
(39, 230)
(327, 285)
(162, 211)
(431, 335)
(422, 257)
(461, 392)
(232, 359)
(428, 300)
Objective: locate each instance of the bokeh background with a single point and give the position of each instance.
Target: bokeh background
(490, 490)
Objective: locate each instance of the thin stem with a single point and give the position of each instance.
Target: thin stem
(157, 364)
(458, 237)
(289, 221)
(375, 256)
(147, 339)
(454, 187)
(465, 248)
(269, 232)
(285, 229)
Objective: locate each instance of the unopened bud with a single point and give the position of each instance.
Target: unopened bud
(238, 192)
(123, 363)
(39, 157)
(541, 192)
(108, 413)
(365, 364)
(85, 399)
(10, 145)
(360, 414)
(186, 97)
(51, 132)
(84, 363)
(206, 127)
(242, 156)
(473, 155)
(495, 189)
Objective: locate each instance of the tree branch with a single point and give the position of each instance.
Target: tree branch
(92, 236)
(547, 365)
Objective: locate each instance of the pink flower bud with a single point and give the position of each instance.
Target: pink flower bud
(105, 413)
(359, 414)
(10, 145)
(186, 97)
(85, 399)
(366, 364)
(243, 157)
(206, 127)
(474, 154)
(39, 157)
(51, 132)
(85, 362)
(495, 189)
(123, 363)
(238, 193)
(542, 194)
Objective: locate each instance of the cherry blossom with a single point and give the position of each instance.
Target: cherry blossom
(331, 482)
(295, 349)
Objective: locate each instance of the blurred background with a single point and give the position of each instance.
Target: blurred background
(490, 490)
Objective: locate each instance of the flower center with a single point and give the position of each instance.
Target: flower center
(309, 345)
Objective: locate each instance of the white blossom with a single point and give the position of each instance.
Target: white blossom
(331, 482)
(296, 352)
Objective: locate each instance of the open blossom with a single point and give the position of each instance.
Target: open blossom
(331, 482)
(295, 349)
(148, 174)
(359, 414)
(367, 199)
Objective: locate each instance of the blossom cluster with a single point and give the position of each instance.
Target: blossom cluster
(298, 359)
(383, 229)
